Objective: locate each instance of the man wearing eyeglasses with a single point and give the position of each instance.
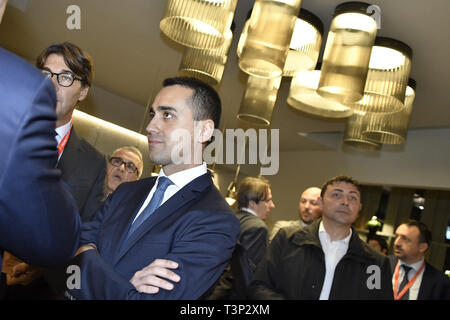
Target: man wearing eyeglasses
(124, 165)
(83, 167)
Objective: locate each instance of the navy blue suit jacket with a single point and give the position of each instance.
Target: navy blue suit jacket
(195, 227)
(39, 222)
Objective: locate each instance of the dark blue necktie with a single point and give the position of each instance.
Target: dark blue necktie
(155, 202)
(404, 283)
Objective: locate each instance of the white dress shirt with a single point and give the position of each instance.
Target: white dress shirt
(414, 289)
(249, 211)
(179, 179)
(61, 131)
(334, 251)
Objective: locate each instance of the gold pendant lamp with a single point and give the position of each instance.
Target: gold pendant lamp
(387, 79)
(303, 96)
(305, 44)
(392, 128)
(206, 64)
(259, 100)
(200, 24)
(353, 136)
(269, 33)
(347, 53)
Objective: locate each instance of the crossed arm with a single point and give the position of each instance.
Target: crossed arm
(196, 258)
(151, 278)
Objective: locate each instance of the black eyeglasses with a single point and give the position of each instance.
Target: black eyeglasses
(64, 79)
(117, 162)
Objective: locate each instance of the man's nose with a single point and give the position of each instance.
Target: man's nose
(152, 126)
(54, 80)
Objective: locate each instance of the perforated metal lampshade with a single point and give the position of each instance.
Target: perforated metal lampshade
(269, 33)
(391, 128)
(259, 100)
(303, 96)
(387, 79)
(200, 24)
(206, 64)
(305, 44)
(353, 136)
(347, 53)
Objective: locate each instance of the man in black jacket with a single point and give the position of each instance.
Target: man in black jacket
(327, 259)
(254, 199)
(423, 282)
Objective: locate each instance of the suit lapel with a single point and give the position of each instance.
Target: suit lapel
(127, 212)
(425, 289)
(183, 197)
(71, 155)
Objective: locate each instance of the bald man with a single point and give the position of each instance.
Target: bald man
(308, 210)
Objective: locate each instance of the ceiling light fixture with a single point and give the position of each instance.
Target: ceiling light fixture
(200, 24)
(269, 34)
(347, 53)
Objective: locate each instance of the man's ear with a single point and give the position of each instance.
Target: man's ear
(423, 246)
(252, 205)
(320, 203)
(206, 130)
(83, 93)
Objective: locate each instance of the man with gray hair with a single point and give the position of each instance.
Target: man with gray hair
(124, 165)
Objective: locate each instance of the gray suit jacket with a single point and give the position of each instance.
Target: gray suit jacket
(254, 237)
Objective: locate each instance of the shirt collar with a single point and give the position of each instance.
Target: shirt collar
(416, 265)
(182, 178)
(249, 211)
(62, 130)
(345, 241)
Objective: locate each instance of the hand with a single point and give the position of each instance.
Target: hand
(149, 279)
(86, 247)
(23, 274)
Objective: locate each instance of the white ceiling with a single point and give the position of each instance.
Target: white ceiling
(132, 57)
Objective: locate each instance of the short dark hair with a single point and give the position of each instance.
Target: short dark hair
(76, 59)
(252, 188)
(338, 179)
(205, 102)
(381, 241)
(425, 233)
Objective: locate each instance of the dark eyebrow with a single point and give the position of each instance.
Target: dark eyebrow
(163, 108)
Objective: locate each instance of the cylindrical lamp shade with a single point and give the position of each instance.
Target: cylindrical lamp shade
(353, 133)
(347, 53)
(259, 100)
(387, 79)
(303, 96)
(391, 128)
(305, 44)
(269, 33)
(200, 24)
(206, 64)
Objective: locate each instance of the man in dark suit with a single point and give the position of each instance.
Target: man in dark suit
(254, 199)
(39, 222)
(423, 281)
(178, 220)
(83, 167)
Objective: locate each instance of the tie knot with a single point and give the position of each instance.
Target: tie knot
(163, 183)
(406, 269)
